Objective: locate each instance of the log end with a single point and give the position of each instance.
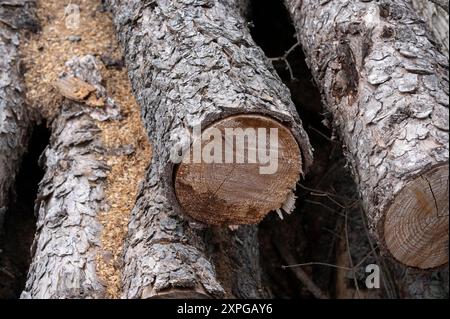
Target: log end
(259, 179)
(416, 224)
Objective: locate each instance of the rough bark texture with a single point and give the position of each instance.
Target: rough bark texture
(441, 3)
(192, 63)
(436, 16)
(386, 86)
(70, 197)
(164, 256)
(416, 284)
(236, 257)
(15, 119)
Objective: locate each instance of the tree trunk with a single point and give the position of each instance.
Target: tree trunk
(386, 87)
(71, 193)
(436, 16)
(15, 118)
(194, 64)
(181, 82)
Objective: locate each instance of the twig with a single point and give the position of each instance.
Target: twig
(284, 59)
(324, 206)
(315, 263)
(322, 134)
(350, 260)
(323, 193)
(302, 275)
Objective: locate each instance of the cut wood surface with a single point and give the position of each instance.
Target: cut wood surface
(15, 118)
(194, 63)
(386, 88)
(237, 193)
(71, 195)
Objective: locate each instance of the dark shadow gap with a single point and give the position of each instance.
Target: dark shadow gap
(302, 233)
(20, 220)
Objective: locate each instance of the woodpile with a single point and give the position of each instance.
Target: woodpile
(224, 149)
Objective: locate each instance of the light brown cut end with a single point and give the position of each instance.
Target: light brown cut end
(239, 193)
(416, 224)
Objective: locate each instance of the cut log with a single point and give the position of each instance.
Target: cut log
(15, 118)
(441, 3)
(193, 64)
(386, 86)
(71, 194)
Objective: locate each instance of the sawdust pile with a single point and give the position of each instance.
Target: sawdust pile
(44, 56)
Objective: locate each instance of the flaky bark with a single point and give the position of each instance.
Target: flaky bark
(166, 256)
(163, 255)
(71, 195)
(190, 63)
(436, 16)
(193, 63)
(15, 16)
(386, 87)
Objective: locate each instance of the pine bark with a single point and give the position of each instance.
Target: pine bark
(194, 63)
(71, 194)
(15, 119)
(435, 14)
(385, 85)
(167, 256)
(191, 63)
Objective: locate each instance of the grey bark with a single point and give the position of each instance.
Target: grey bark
(163, 255)
(235, 254)
(70, 196)
(15, 119)
(385, 86)
(441, 3)
(416, 284)
(190, 62)
(435, 13)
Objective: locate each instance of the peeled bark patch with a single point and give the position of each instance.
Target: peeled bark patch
(194, 63)
(394, 125)
(255, 165)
